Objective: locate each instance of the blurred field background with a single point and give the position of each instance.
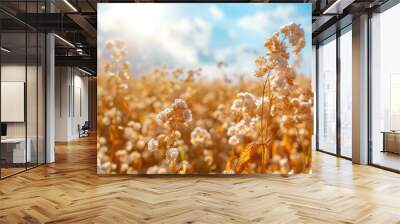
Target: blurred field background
(221, 105)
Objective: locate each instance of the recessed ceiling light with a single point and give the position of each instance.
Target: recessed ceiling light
(5, 50)
(65, 41)
(338, 6)
(70, 5)
(84, 71)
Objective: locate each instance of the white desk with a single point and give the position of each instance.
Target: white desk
(18, 149)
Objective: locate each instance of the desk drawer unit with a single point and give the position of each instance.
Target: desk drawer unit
(13, 151)
(391, 142)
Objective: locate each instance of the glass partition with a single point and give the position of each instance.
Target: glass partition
(14, 153)
(22, 91)
(314, 88)
(41, 88)
(31, 99)
(327, 96)
(346, 93)
(385, 89)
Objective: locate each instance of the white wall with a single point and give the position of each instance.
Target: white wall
(71, 87)
(13, 73)
(81, 94)
(61, 103)
(33, 127)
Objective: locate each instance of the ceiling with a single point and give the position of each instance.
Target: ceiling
(75, 22)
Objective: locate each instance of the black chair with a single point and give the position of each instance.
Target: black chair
(84, 130)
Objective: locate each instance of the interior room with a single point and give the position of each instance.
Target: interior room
(385, 87)
(22, 104)
(93, 132)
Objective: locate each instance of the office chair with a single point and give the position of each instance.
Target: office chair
(84, 130)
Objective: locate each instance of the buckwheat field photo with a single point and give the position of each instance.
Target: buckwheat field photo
(204, 88)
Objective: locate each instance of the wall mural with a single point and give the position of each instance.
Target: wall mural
(211, 88)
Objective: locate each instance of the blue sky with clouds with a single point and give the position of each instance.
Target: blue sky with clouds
(198, 34)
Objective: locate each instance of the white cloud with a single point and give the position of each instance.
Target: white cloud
(284, 12)
(257, 22)
(240, 59)
(176, 42)
(263, 21)
(232, 33)
(216, 12)
(165, 34)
